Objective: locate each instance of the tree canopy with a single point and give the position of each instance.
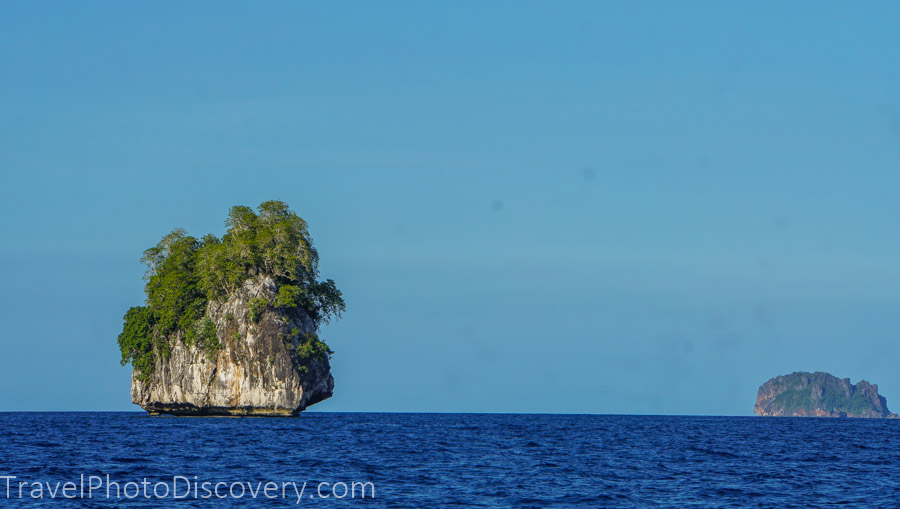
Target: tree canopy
(184, 273)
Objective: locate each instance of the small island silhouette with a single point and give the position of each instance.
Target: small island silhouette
(820, 394)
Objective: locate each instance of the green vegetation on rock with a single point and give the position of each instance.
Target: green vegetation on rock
(257, 307)
(184, 274)
(311, 347)
(819, 394)
(831, 399)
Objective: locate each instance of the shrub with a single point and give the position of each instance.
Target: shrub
(313, 348)
(256, 308)
(136, 341)
(288, 296)
(208, 340)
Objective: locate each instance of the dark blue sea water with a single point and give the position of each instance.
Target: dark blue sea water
(441, 460)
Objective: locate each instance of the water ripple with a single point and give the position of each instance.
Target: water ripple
(441, 460)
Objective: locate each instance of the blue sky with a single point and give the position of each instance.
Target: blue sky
(530, 207)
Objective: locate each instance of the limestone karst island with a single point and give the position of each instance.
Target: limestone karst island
(230, 325)
(820, 394)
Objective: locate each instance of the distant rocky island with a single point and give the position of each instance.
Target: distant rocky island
(819, 394)
(230, 325)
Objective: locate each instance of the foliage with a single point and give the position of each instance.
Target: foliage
(821, 391)
(311, 347)
(136, 341)
(184, 274)
(288, 296)
(256, 307)
(325, 301)
(793, 400)
(207, 339)
(172, 284)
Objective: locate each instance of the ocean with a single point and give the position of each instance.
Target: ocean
(447, 460)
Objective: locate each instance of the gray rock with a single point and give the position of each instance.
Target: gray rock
(255, 373)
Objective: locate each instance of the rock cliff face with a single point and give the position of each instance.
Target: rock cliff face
(819, 394)
(256, 372)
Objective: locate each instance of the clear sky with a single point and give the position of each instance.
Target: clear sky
(633, 207)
